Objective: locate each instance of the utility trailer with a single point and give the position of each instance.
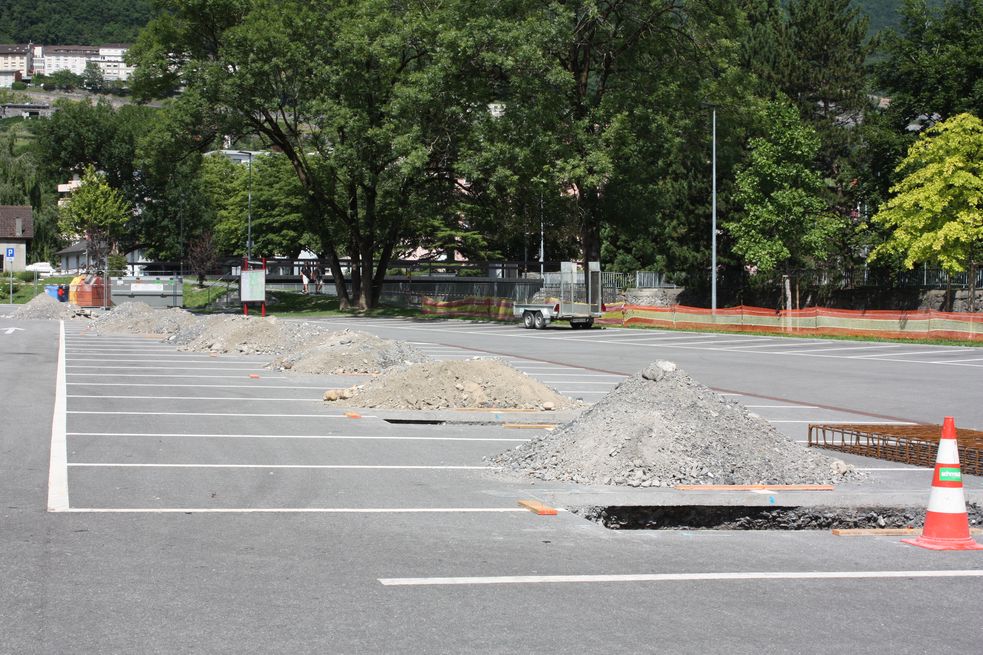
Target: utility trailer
(579, 299)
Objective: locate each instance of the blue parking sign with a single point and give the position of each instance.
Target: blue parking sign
(10, 253)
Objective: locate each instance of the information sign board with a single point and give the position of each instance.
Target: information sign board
(252, 286)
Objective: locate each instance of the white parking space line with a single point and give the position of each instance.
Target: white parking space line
(281, 466)
(246, 399)
(957, 361)
(775, 343)
(190, 386)
(681, 577)
(268, 375)
(781, 407)
(326, 437)
(896, 354)
(165, 368)
(299, 510)
(58, 457)
(579, 375)
(843, 422)
(210, 361)
(878, 346)
(79, 411)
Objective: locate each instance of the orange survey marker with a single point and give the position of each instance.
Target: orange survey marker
(537, 507)
(254, 376)
(352, 415)
(946, 520)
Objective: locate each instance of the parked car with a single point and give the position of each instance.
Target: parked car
(43, 269)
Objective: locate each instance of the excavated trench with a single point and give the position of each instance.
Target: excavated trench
(742, 517)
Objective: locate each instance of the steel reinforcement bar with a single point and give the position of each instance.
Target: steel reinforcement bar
(908, 444)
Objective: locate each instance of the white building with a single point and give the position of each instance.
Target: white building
(72, 58)
(8, 77)
(112, 63)
(17, 57)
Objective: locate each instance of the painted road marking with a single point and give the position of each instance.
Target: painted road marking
(278, 400)
(281, 466)
(78, 411)
(299, 510)
(255, 385)
(248, 367)
(781, 407)
(351, 437)
(899, 468)
(58, 459)
(270, 375)
(883, 345)
(681, 577)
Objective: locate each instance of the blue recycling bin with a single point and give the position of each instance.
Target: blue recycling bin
(51, 290)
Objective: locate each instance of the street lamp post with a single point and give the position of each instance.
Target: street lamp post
(713, 226)
(249, 210)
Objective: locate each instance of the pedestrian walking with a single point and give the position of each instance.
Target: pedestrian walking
(305, 277)
(318, 277)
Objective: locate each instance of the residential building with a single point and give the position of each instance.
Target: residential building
(238, 156)
(16, 232)
(112, 63)
(7, 78)
(72, 58)
(17, 57)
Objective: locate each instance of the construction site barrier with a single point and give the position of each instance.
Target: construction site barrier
(819, 321)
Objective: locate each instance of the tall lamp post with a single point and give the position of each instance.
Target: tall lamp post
(713, 220)
(249, 210)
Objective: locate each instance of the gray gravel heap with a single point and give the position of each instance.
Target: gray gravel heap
(44, 307)
(348, 352)
(141, 318)
(661, 428)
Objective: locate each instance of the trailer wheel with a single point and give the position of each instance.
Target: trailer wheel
(588, 324)
(527, 320)
(539, 321)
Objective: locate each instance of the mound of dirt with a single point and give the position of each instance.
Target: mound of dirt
(44, 307)
(465, 384)
(141, 318)
(249, 335)
(660, 428)
(348, 352)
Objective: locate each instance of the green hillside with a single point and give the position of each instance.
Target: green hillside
(885, 13)
(89, 22)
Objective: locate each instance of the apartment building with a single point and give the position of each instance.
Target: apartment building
(17, 57)
(74, 58)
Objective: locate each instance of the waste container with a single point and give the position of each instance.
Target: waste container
(73, 289)
(92, 291)
(51, 290)
(62, 294)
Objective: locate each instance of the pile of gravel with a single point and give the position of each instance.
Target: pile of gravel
(464, 384)
(141, 318)
(44, 307)
(348, 353)
(249, 335)
(662, 428)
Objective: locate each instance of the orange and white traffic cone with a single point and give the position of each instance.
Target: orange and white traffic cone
(946, 521)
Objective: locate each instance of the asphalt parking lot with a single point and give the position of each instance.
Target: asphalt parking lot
(198, 509)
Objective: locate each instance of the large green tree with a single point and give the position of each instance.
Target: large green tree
(936, 214)
(99, 214)
(363, 98)
(784, 222)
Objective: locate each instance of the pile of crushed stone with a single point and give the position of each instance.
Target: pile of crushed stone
(660, 428)
(141, 318)
(463, 384)
(348, 352)
(249, 335)
(44, 307)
